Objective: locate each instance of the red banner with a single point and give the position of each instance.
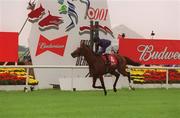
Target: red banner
(8, 46)
(151, 51)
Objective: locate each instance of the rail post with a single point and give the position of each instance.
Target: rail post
(167, 78)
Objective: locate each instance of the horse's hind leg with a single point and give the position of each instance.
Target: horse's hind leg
(129, 79)
(125, 73)
(117, 78)
(103, 85)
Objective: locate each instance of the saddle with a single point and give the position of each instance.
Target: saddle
(111, 59)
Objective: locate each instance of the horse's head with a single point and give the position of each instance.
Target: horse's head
(81, 51)
(76, 53)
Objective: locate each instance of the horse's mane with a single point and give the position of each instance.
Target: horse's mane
(83, 44)
(88, 47)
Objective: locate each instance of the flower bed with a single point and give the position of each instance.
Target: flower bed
(154, 76)
(174, 76)
(11, 79)
(12, 76)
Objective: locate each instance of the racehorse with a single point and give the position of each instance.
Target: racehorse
(98, 67)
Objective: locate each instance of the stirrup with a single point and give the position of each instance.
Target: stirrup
(107, 70)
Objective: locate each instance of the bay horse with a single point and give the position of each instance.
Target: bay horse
(98, 67)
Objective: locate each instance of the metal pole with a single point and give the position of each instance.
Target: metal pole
(27, 77)
(23, 25)
(91, 34)
(72, 81)
(97, 29)
(96, 37)
(167, 78)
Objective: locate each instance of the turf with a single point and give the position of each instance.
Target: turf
(142, 103)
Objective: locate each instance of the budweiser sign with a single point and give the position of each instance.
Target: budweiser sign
(56, 46)
(151, 51)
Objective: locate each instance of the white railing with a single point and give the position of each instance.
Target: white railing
(86, 67)
(154, 67)
(42, 66)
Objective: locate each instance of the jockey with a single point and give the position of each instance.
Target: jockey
(103, 44)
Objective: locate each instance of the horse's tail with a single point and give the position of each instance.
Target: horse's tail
(131, 62)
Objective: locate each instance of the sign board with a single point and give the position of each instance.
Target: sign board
(55, 33)
(8, 46)
(151, 51)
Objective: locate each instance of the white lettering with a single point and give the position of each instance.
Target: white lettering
(148, 52)
(44, 45)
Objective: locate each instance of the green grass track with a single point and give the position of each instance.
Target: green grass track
(142, 103)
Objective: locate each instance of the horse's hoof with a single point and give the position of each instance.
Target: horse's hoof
(115, 90)
(105, 93)
(131, 88)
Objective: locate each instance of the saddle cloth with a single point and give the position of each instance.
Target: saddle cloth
(111, 58)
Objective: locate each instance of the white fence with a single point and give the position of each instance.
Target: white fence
(44, 67)
(75, 79)
(72, 68)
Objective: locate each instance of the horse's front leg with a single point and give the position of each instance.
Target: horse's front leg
(103, 85)
(94, 84)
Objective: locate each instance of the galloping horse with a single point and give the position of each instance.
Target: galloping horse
(98, 68)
